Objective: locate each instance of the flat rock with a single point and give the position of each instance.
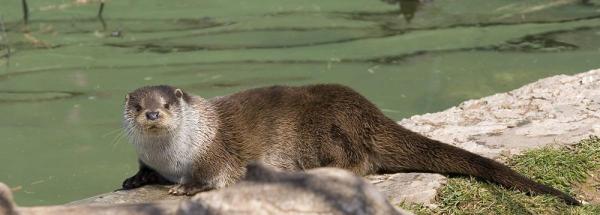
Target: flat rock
(408, 187)
(139, 195)
(263, 190)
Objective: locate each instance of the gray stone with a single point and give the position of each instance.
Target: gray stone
(262, 191)
(7, 204)
(318, 191)
(139, 195)
(408, 187)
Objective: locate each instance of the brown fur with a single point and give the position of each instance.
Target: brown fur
(297, 128)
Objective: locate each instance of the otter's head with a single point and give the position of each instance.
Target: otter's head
(154, 110)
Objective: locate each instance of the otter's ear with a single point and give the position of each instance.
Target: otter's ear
(178, 93)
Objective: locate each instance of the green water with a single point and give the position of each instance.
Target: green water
(64, 79)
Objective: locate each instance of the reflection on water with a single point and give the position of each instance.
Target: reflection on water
(4, 46)
(34, 96)
(407, 8)
(63, 76)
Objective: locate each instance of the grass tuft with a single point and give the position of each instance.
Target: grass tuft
(558, 167)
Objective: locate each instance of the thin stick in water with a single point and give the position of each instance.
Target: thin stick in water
(100, 11)
(25, 11)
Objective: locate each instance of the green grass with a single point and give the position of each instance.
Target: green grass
(560, 168)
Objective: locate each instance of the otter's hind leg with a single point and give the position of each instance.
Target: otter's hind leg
(189, 189)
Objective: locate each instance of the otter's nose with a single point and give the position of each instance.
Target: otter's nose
(152, 115)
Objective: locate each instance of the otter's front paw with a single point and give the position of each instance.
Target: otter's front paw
(135, 181)
(144, 177)
(140, 179)
(187, 189)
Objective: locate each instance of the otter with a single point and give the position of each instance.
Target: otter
(202, 144)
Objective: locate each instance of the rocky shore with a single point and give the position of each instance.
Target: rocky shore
(555, 111)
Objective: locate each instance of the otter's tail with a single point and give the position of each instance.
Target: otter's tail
(413, 152)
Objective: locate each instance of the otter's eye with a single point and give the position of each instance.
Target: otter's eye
(137, 107)
(167, 106)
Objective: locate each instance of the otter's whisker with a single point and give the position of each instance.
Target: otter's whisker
(112, 132)
(118, 138)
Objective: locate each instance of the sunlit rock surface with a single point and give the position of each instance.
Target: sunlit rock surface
(558, 110)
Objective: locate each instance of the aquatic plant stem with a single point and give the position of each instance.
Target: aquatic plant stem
(100, 11)
(25, 12)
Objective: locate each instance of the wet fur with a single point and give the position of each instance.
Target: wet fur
(297, 128)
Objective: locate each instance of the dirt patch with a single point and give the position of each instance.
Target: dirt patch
(589, 190)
